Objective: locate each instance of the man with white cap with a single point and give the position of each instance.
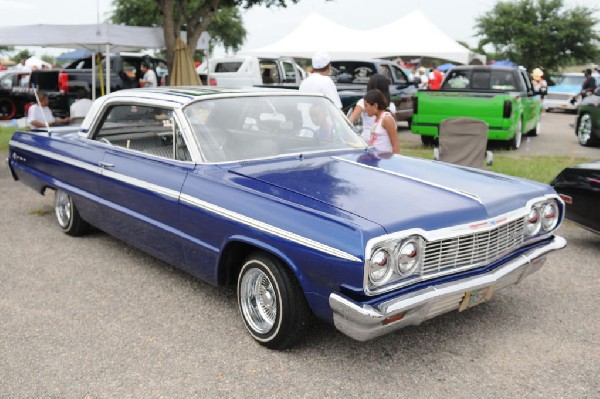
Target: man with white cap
(319, 81)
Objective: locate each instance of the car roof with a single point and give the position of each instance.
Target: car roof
(182, 95)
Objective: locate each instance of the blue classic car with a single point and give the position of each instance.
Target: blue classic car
(273, 192)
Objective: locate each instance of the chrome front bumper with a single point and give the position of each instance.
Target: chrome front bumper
(364, 322)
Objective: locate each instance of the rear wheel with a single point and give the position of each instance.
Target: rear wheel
(427, 141)
(8, 109)
(271, 302)
(67, 215)
(584, 131)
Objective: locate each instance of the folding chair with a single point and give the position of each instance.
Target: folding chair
(463, 141)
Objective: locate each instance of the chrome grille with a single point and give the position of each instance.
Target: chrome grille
(472, 250)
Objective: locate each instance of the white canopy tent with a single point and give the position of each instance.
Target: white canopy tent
(95, 37)
(411, 35)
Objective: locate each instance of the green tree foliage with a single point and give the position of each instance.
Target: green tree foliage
(541, 33)
(21, 55)
(221, 18)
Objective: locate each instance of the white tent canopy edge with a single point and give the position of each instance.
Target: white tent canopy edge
(411, 35)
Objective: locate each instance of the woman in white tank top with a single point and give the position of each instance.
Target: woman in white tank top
(382, 135)
(376, 81)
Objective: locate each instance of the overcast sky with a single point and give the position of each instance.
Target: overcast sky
(264, 26)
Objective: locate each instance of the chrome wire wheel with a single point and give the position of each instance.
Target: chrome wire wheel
(584, 129)
(63, 208)
(258, 300)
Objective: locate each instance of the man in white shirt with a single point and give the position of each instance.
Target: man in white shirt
(40, 114)
(80, 107)
(149, 79)
(319, 81)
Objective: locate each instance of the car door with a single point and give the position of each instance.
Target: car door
(531, 103)
(143, 170)
(403, 93)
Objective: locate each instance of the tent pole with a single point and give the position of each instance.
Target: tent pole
(93, 75)
(107, 68)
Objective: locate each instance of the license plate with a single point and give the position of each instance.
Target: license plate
(475, 297)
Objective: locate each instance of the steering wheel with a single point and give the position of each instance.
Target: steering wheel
(104, 140)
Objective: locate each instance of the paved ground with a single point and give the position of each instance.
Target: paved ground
(91, 317)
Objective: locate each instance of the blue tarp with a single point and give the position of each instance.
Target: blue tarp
(445, 67)
(505, 62)
(73, 55)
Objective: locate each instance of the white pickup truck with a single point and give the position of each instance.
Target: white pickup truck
(245, 70)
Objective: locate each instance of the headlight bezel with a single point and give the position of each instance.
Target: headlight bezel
(548, 218)
(394, 272)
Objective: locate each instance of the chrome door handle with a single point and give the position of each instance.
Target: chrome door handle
(106, 165)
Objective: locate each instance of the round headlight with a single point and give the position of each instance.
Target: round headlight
(379, 267)
(533, 222)
(407, 256)
(549, 216)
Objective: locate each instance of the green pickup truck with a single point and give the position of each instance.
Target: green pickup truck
(503, 97)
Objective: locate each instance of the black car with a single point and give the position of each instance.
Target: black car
(352, 75)
(587, 127)
(579, 187)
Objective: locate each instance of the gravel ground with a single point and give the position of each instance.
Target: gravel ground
(91, 317)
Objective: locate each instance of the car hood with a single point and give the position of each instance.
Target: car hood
(397, 193)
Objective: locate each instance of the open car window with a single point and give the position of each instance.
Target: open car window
(150, 130)
(229, 130)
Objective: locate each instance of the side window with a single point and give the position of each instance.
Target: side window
(269, 72)
(399, 75)
(385, 71)
(150, 130)
(290, 73)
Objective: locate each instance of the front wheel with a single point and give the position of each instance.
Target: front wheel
(67, 215)
(584, 131)
(536, 130)
(271, 302)
(515, 142)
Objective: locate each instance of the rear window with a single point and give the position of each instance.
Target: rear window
(351, 72)
(493, 79)
(230, 66)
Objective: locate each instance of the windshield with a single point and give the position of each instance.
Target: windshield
(242, 128)
(569, 80)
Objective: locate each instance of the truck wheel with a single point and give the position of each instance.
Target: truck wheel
(584, 131)
(536, 130)
(271, 302)
(515, 142)
(427, 141)
(8, 109)
(67, 215)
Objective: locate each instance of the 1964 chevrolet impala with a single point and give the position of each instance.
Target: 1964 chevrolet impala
(273, 191)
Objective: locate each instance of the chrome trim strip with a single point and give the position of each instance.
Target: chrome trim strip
(364, 322)
(459, 192)
(257, 224)
(307, 242)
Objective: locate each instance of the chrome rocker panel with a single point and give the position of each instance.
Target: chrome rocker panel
(363, 322)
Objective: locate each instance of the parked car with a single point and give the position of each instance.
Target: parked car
(63, 86)
(14, 94)
(241, 188)
(567, 86)
(246, 70)
(352, 75)
(587, 127)
(579, 188)
(503, 97)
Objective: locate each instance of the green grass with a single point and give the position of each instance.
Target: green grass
(542, 168)
(538, 168)
(5, 135)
